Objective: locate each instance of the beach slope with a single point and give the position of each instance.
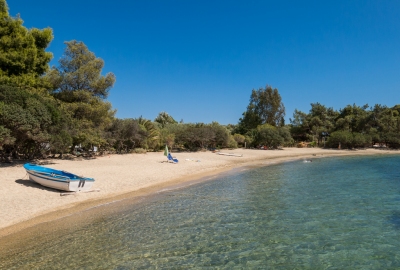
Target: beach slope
(24, 203)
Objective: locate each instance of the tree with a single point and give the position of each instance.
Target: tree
(272, 137)
(320, 120)
(249, 121)
(27, 120)
(201, 136)
(222, 136)
(341, 138)
(164, 119)
(23, 58)
(125, 134)
(28, 114)
(268, 106)
(265, 107)
(152, 135)
(347, 139)
(82, 90)
(80, 70)
(239, 138)
(269, 136)
(299, 126)
(352, 118)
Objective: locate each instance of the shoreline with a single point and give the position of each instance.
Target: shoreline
(132, 176)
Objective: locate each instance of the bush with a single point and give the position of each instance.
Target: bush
(232, 142)
(269, 136)
(361, 140)
(348, 140)
(392, 139)
(312, 144)
(239, 138)
(139, 151)
(342, 138)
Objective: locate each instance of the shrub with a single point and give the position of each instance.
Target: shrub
(269, 136)
(239, 138)
(139, 151)
(312, 144)
(232, 142)
(348, 140)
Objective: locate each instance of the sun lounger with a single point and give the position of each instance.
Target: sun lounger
(170, 158)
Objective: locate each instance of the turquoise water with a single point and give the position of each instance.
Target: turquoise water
(332, 213)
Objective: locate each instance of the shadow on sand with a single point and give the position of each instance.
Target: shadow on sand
(20, 163)
(31, 184)
(12, 164)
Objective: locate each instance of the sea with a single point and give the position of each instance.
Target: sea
(331, 213)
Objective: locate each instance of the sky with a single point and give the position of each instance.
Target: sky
(199, 60)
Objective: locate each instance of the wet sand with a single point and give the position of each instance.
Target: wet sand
(24, 203)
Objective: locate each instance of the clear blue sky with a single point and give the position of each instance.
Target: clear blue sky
(199, 60)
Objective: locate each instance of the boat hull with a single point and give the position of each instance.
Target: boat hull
(58, 179)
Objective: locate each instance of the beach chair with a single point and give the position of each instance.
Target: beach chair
(170, 158)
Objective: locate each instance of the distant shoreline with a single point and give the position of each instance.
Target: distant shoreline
(119, 177)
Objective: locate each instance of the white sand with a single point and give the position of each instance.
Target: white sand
(24, 203)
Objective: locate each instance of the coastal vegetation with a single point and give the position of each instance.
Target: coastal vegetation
(64, 110)
(351, 127)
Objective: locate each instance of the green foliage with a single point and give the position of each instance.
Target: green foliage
(392, 139)
(23, 58)
(60, 142)
(81, 89)
(311, 126)
(347, 139)
(299, 126)
(125, 134)
(265, 107)
(249, 121)
(313, 144)
(201, 136)
(27, 119)
(167, 135)
(361, 140)
(164, 119)
(269, 136)
(79, 70)
(5, 137)
(231, 142)
(152, 135)
(239, 138)
(352, 118)
(249, 140)
(340, 138)
(284, 132)
(139, 151)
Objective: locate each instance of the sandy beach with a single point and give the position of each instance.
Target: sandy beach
(24, 203)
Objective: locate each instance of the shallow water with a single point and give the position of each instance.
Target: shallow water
(332, 213)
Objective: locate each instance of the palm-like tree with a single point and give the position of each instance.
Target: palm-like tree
(164, 119)
(152, 133)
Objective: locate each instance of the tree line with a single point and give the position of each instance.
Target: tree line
(351, 127)
(64, 109)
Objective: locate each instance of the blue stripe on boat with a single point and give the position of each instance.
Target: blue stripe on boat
(50, 174)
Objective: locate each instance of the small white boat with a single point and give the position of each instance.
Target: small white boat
(57, 179)
(230, 154)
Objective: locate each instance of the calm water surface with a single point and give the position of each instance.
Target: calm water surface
(332, 213)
